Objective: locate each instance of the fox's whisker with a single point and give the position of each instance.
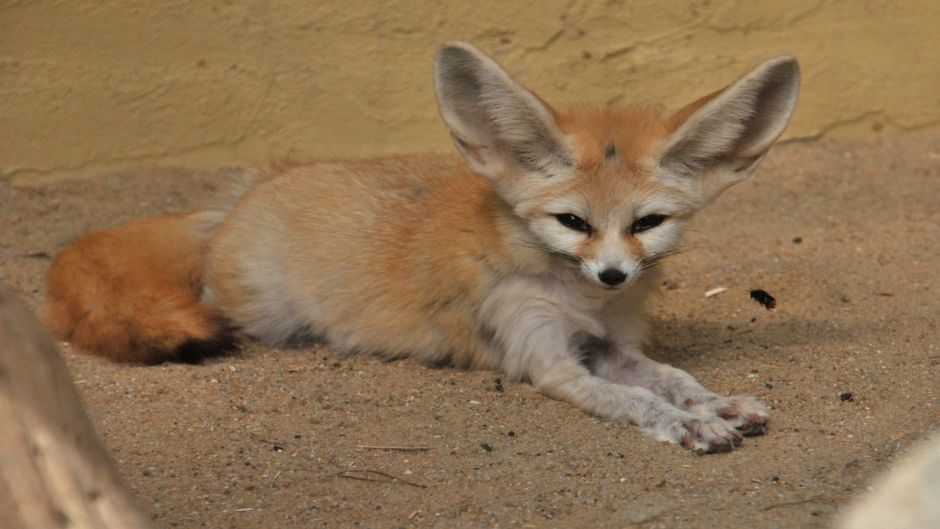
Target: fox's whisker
(573, 259)
(655, 259)
(564, 256)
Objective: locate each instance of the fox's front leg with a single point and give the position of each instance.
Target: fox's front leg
(535, 337)
(627, 365)
(620, 359)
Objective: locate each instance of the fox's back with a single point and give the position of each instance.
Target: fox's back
(364, 253)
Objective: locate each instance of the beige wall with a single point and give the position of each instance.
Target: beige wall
(89, 85)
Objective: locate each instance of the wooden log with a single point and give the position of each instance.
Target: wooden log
(54, 472)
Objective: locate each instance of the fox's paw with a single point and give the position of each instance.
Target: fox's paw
(745, 413)
(703, 434)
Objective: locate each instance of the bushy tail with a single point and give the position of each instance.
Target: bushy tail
(131, 293)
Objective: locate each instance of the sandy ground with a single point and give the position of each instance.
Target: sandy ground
(845, 235)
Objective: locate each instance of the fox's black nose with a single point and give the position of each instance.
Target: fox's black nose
(612, 276)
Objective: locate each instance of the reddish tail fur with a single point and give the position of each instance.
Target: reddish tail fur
(131, 293)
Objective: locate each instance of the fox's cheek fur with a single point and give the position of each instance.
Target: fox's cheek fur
(589, 254)
(664, 238)
(556, 237)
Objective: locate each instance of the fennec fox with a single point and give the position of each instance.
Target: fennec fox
(535, 262)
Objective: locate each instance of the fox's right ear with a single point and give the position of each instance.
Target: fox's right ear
(503, 130)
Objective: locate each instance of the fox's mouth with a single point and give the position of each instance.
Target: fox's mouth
(615, 288)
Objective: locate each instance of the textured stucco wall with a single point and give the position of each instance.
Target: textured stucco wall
(88, 85)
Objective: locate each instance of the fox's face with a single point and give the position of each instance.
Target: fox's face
(610, 191)
(608, 214)
(609, 238)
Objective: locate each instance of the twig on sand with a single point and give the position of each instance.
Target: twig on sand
(818, 497)
(351, 474)
(401, 448)
(715, 291)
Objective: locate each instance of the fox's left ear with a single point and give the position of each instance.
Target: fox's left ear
(720, 139)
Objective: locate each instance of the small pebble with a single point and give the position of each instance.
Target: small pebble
(486, 446)
(846, 397)
(761, 296)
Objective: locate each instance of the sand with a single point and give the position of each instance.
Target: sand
(845, 235)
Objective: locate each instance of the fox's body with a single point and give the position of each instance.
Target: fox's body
(398, 256)
(536, 260)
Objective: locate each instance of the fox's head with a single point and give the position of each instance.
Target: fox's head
(609, 190)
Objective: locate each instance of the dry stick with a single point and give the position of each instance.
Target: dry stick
(818, 497)
(402, 448)
(391, 478)
(54, 473)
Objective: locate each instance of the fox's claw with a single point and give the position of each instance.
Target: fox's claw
(746, 414)
(703, 434)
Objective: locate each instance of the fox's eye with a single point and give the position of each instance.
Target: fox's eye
(573, 222)
(647, 223)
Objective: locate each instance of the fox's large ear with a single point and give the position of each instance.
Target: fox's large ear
(720, 139)
(500, 127)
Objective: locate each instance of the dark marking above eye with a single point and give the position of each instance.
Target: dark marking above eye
(416, 192)
(610, 152)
